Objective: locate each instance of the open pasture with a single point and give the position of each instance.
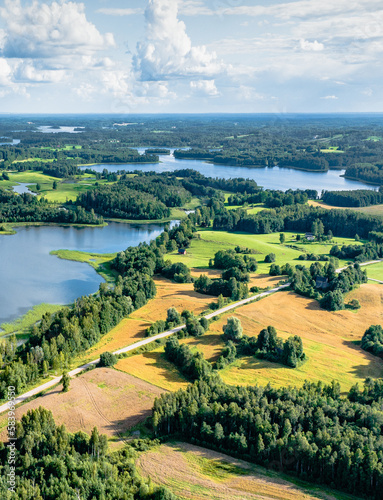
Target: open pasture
(208, 242)
(371, 210)
(330, 339)
(197, 473)
(111, 400)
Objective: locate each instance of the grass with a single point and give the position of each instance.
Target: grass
(99, 262)
(208, 242)
(197, 473)
(332, 149)
(216, 469)
(376, 210)
(154, 368)
(374, 138)
(20, 325)
(330, 340)
(375, 271)
(133, 329)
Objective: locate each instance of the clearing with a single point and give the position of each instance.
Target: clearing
(198, 473)
(208, 242)
(371, 210)
(111, 400)
(375, 271)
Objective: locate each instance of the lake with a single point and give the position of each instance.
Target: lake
(30, 276)
(269, 178)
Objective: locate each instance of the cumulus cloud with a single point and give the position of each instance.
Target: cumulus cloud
(330, 97)
(205, 88)
(27, 72)
(311, 46)
(168, 51)
(47, 31)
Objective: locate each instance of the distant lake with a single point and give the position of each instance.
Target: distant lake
(47, 129)
(30, 276)
(268, 178)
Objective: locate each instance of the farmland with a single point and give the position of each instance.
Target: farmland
(196, 473)
(326, 336)
(330, 339)
(371, 210)
(375, 271)
(132, 329)
(111, 400)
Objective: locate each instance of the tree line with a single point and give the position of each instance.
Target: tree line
(52, 463)
(313, 432)
(357, 198)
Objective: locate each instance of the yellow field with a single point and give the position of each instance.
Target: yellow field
(372, 210)
(199, 474)
(152, 366)
(330, 339)
(132, 329)
(106, 398)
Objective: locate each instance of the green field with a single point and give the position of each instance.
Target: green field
(208, 242)
(374, 138)
(375, 271)
(332, 149)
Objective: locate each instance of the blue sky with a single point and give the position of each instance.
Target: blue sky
(166, 56)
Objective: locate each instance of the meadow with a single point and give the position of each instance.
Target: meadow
(375, 271)
(376, 210)
(130, 330)
(112, 401)
(330, 339)
(208, 242)
(199, 474)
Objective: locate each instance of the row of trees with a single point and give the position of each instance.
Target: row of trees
(300, 218)
(311, 432)
(357, 198)
(28, 208)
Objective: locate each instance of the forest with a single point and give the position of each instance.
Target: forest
(357, 198)
(313, 432)
(28, 208)
(52, 463)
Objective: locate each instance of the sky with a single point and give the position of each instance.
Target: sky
(191, 56)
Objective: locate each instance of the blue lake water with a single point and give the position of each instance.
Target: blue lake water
(269, 178)
(30, 276)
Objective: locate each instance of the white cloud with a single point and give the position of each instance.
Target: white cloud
(53, 30)
(167, 51)
(330, 97)
(205, 88)
(311, 46)
(5, 72)
(26, 72)
(120, 12)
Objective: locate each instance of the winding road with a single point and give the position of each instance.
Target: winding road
(136, 345)
(132, 347)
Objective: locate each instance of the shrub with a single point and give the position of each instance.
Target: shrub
(107, 359)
